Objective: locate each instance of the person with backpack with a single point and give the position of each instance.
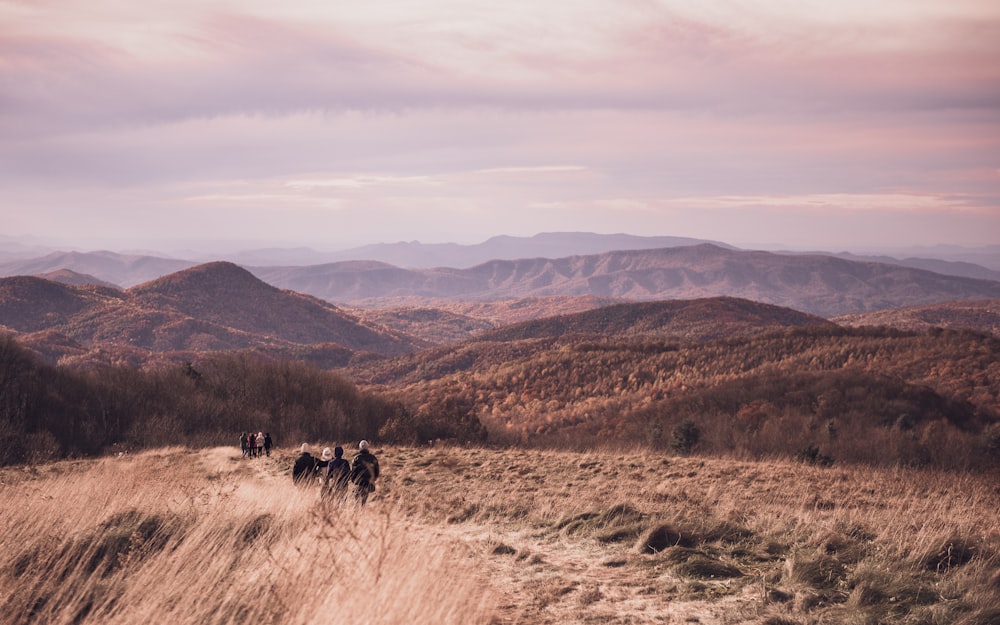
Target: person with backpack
(364, 472)
(338, 474)
(305, 467)
(268, 443)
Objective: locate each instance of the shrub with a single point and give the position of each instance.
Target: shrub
(810, 455)
(685, 437)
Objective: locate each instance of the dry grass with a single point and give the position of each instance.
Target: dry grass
(498, 536)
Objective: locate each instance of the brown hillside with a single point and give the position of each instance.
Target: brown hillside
(683, 320)
(433, 325)
(981, 316)
(448, 321)
(870, 395)
(29, 303)
(214, 307)
(658, 323)
(68, 276)
(229, 296)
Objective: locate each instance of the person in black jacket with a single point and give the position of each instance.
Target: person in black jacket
(305, 466)
(338, 474)
(364, 472)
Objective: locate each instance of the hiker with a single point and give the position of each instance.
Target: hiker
(243, 444)
(304, 467)
(322, 463)
(338, 473)
(364, 472)
(260, 444)
(251, 444)
(267, 444)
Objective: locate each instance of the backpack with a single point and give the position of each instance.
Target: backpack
(361, 472)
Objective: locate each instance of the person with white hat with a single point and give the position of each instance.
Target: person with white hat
(322, 464)
(304, 467)
(364, 472)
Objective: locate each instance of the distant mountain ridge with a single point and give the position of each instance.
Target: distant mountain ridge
(417, 255)
(816, 284)
(129, 269)
(123, 270)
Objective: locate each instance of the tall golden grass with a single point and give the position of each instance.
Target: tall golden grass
(473, 535)
(179, 537)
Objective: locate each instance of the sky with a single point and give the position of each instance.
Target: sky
(170, 124)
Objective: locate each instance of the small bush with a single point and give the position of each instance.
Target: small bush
(707, 568)
(811, 455)
(660, 537)
(950, 553)
(818, 572)
(685, 437)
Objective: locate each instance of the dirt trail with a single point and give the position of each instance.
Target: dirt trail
(541, 577)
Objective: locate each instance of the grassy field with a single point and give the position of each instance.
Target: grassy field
(472, 535)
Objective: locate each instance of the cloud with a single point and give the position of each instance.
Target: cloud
(464, 108)
(536, 169)
(907, 203)
(357, 182)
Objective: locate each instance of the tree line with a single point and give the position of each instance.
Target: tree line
(50, 412)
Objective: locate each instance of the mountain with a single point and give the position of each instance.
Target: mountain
(119, 269)
(414, 254)
(68, 276)
(13, 248)
(225, 294)
(217, 306)
(946, 267)
(817, 284)
(979, 316)
(986, 256)
(31, 304)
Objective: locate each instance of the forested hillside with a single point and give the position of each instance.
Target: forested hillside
(49, 412)
(869, 394)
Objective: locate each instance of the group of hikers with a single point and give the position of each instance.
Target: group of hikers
(254, 445)
(335, 474)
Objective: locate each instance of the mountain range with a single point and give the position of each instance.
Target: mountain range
(817, 284)
(370, 306)
(129, 269)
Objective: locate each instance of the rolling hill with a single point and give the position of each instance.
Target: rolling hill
(661, 325)
(217, 306)
(678, 320)
(861, 394)
(977, 315)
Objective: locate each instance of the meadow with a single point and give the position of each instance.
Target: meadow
(497, 536)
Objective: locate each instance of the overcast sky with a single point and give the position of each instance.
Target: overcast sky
(810, 124)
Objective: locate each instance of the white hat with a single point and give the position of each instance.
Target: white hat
(305, 448)
(363, 445)
(327, 454)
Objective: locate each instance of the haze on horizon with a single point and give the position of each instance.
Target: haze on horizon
(810, 124)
